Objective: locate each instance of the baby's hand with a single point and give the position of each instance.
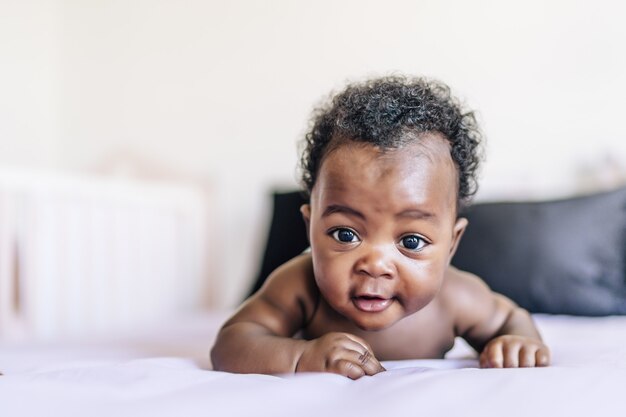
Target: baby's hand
(340, 353)
(514, 351)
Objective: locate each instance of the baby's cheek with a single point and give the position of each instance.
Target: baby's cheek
(332, 283)
(416, 298)
(427, 275)
(417, 303)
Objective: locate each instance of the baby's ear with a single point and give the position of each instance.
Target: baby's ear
(457, 233)
(305, 209)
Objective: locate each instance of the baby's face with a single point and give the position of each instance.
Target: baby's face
(383, 228)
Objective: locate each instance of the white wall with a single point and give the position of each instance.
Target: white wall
(29, 83)
(221, 91)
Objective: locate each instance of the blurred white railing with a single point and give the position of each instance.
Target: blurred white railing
(82, 255)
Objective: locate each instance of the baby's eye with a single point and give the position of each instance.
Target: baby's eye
(413, 243)
(344, 235)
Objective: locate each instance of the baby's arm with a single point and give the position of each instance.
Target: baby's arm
(495, 326)
(258, 338)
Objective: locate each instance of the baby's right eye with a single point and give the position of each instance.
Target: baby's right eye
(344, 235)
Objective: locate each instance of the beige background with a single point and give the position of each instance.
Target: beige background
(219, 92)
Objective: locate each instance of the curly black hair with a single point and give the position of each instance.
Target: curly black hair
(382, 111)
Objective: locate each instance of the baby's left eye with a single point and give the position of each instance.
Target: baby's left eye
(413, 243)
(344, 235)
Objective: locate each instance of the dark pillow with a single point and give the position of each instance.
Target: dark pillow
(562, 257)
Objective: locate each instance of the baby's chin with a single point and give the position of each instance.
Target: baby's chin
(373, 327)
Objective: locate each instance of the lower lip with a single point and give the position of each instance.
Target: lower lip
(372, 305)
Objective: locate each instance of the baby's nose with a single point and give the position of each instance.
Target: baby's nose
(376, 262)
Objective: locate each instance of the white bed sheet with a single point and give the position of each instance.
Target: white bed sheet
(165, 372)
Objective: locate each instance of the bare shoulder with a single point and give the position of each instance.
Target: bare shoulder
(285, 301)
(292, 282)
(463, 288)
(469, 300)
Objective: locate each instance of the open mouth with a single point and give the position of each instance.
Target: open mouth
(371, 304)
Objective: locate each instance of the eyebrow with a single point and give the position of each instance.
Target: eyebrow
(411, 213)
(417, 214)
(337, 208)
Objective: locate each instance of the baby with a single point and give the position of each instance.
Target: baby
(388, 164)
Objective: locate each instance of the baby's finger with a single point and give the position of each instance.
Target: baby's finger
(492, 357)
(365, 360)
(373, 366)
(359, 341)
(369, 363)
(511, 355)
(348, 368)
(354, 344)
(527, 356)
(542, 357)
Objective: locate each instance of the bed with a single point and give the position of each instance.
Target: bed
(566, 265)
(165, 371)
